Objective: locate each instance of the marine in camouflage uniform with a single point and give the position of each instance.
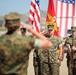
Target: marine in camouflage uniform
(50, 59)
(71, 44)
(15, 48)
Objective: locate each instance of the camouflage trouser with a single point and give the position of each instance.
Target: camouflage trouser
(69, 65)
(36, 64)
(49, 69)
(72, 68)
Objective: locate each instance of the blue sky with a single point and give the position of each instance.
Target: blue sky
(21, 6)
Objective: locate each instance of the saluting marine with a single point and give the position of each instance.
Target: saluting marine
(50, 59)
(15, 49)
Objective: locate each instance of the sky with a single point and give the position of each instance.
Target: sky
(20, 6)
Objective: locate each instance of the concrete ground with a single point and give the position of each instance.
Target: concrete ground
(63, 67)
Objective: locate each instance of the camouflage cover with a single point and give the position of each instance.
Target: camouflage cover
(12, 19)
(73, 28)
(50, 27)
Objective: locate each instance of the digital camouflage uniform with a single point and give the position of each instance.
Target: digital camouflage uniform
(71, 40)
(14, 50)
(49, 58)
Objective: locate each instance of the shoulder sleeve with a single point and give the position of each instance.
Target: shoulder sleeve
(67, 42)
(32, 42)
(29, 41)
(60, 40)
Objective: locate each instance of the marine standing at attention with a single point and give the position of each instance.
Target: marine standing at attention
(50, 59)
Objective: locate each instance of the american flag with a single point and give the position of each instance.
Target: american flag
(66, 15)
(34, 15)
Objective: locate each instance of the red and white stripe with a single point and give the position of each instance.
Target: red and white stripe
(66, 16)
(34, 15)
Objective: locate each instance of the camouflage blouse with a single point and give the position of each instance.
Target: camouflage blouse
(71, 41)
(52, 54)
(14, 54)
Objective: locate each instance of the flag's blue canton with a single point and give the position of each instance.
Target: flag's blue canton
(68, 1)
(37, 1)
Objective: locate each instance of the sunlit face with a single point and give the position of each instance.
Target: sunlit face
(74, 32)
(51, 31)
